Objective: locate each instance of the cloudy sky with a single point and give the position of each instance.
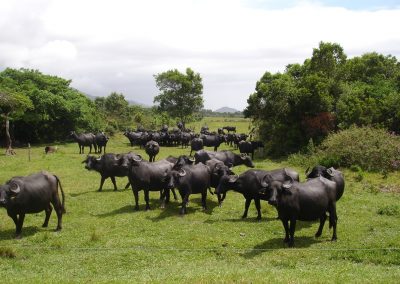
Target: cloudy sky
(106, 46)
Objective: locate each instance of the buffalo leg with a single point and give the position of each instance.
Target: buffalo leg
(113, 181)
(19, 225)
(333, 221)
(292, 228)
(246, 207)
(185, 201)
(163, 197)
(258, 207)
(101, 183)
(127, 185)
(136, 195)
(146, 198)
(203, 200)
(48, 213)
(286, 226)
(174, 193)
(90, 149)
(322, 220)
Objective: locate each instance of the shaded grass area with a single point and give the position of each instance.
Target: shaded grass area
(105, 240)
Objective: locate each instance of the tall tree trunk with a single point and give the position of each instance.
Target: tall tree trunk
(9, 150)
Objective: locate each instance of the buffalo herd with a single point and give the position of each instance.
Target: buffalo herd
(313, 199)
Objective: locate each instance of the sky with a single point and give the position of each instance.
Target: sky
(118, 46)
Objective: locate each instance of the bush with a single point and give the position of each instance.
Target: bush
(370, 148)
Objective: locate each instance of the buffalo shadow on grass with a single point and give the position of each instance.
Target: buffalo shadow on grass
(26, 232)
(277, 243)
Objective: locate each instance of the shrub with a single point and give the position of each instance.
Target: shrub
(370, 148)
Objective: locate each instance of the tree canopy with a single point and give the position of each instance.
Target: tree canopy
(326, 93)
(180, 94)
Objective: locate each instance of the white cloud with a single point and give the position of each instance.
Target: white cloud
(106, 46)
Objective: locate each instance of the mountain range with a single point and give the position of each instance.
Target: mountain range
(227, 110)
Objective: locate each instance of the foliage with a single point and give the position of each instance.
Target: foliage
(326, 93)
(180, 94)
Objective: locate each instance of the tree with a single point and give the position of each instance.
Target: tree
(180, 94)
(12, 104)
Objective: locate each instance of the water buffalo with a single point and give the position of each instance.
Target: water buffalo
(229, 158)
(133, 136)
(101, 140)
(212, 140)
(50, 149)
(248, 147)
(217, 170)
(108, 166)
(230, 128)
(152, 149)
(147, 176)
(190, 179)
(331, 174)
(252, 184)
(32, 194)
(196, 144)
(83, 140)
(307, 201)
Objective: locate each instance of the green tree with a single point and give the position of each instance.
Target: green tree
(12, 105)
(180, 94)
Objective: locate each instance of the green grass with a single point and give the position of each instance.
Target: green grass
(105, 240)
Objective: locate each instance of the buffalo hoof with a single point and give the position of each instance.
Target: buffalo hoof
(258, 218)
(100, 189)
(136, 208)
(244, 216)
(318, 234)
(44, 225)
(115, 189)
(333, 239)
(18, 237)
(291, 244)
(286, 240)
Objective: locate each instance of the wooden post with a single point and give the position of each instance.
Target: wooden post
(29, 152)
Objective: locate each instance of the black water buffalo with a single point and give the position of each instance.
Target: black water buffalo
(307, 201)
(230, 128)
(229, 158)
(32, 194)
(217, 170)
(152, 149)
(185, 139)
(147, 176)
(133, 136)
(88, 139)
(50, 149)
(252, 184)
(190, 179)
(101, 140)
(248, 147)
(331, 174)
(212, 140)
(108, 166)
(195, 145)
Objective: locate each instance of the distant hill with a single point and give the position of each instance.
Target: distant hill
(227, 110)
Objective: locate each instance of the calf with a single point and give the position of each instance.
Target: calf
(306, 201)
(253, 184)
(50, 149)
(32, 194)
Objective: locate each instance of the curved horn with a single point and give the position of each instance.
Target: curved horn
(182, 172)
(265, 181)
(14, 188)
(233, 178)
(330, 172)
(243, 156)
(138, 159)
(191, 159)
(287, 185)
(98, 159)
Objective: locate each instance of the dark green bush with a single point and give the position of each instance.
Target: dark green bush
(370, 148)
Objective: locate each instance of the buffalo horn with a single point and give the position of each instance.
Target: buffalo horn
(138, 159)
(287, 185)
(191, 159)
(182, 172)
(330, 172)
(14, 187)
(233, 178)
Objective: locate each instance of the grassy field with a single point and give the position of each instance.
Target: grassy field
(105, 240)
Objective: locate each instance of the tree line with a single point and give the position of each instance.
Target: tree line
(327, 93)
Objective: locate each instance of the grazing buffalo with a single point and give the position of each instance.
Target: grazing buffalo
(331, 174)
(196, 144)
(50, 149)
(147, 176)
(230, 128)
(152, 149)
(248, 147)
(307, 201)
(83, 140)
(108, 166)
(229, 158)
(190, 179)
(134, 137)
(212, 140)
(252, 184)
(32, 194)
(101, 140)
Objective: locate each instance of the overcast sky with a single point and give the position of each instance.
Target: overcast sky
(107, 46)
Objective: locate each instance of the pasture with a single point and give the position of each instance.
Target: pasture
(105, 240)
